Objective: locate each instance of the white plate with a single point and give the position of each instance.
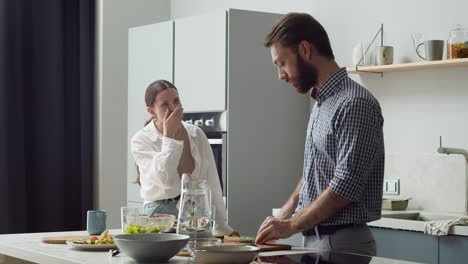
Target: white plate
(72, 244)
(225, 254)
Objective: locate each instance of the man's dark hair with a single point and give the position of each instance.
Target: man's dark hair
(293, 28)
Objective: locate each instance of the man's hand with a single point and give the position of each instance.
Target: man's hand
(172, 122)
(283, 215)
(274, 228)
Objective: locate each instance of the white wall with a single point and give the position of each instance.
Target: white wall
(434, 182)
(114, 17)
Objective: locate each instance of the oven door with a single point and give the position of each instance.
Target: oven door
(217, 142)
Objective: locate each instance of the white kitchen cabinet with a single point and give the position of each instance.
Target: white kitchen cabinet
(149, 59)
(200, 62)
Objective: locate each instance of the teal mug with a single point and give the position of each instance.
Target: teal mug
(96, 222)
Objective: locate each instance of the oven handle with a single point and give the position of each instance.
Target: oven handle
(215, 141)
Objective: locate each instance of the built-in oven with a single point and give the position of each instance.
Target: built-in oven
(214, 126)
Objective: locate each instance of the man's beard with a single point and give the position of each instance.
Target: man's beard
(307, 76)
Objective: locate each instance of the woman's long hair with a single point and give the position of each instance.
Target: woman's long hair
(150, 97)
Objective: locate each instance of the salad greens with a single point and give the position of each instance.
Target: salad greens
(138, 229)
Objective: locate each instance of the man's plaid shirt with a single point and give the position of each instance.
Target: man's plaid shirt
(345, 150)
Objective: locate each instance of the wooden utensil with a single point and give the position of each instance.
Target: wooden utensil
(62, 239)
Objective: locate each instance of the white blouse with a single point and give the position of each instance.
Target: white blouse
(158, 157)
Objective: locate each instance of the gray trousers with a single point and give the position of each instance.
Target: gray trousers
(356, 239)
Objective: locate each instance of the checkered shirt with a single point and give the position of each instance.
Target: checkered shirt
(345, 150)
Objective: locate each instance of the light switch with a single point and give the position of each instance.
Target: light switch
(391, 186)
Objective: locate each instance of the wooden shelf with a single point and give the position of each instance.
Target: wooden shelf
(409, 66)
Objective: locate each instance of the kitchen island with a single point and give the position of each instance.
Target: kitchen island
(26, 248)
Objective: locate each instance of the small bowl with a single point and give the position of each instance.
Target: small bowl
(151, 247)
(225, 254)
(395, 204)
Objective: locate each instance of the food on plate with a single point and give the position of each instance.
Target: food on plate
(247, 239)
(104, 238)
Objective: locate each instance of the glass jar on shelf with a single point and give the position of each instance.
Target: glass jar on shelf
(457, 44)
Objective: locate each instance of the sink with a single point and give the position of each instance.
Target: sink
(423, 217)
(416, 220)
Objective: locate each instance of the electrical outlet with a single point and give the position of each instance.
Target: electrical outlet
(391, 186)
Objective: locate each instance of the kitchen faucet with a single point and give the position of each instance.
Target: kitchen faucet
(449, 151)
(459, 151)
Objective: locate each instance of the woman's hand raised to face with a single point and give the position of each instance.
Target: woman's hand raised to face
(172, 122)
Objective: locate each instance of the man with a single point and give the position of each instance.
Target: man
(341, 189)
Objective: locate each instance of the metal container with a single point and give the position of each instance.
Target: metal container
(394, 204)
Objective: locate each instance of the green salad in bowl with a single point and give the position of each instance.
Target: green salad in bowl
(138, 229)
(142, 223)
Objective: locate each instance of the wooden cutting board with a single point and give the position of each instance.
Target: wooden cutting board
(62, 239)
(269, 246)
(234, 241)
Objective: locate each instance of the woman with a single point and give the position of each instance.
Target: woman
(167, 147)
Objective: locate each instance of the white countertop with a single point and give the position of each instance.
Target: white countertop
(31, 248)
(412, 225)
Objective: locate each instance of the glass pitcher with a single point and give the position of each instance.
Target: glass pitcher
(195, 208)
